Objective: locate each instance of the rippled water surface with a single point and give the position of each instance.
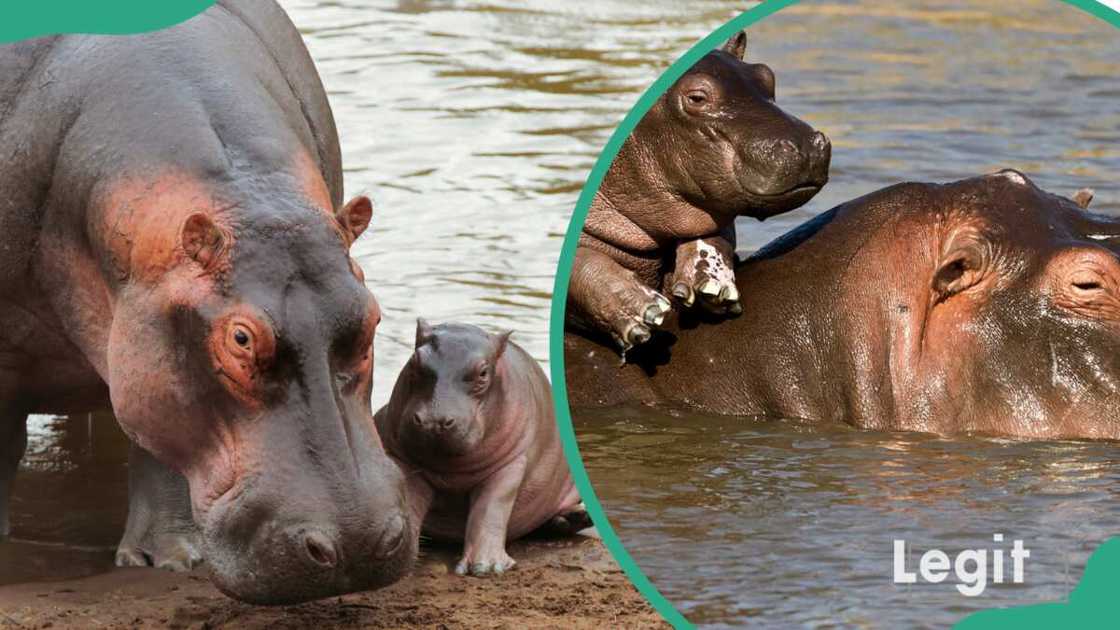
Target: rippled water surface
(784, 525)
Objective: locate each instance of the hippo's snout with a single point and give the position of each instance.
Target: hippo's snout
(309, 561)
(435, 423)
(820, 156)
(790, 165)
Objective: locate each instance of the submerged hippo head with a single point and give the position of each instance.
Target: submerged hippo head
(984, 305)
(1017, 329)
(240, 355)
(442, 393)
(723, 145)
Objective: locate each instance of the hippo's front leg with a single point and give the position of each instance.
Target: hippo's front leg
(484, 551)
(13, 442)
(160, 531)
(610, 298)
(704, 274)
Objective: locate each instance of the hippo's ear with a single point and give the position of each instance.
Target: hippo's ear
(501, 341)
(961, 269)
(202, 239)
(1083, 197)
(737, 45)
(423, 331)
(355, 216)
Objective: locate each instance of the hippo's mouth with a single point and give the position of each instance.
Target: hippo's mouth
(763, 206)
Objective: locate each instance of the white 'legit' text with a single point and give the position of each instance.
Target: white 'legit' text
(970, 566)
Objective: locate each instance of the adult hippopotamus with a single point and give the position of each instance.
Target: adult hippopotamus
(471, 419)
(173, 244)
(713, 147)
(985, 305)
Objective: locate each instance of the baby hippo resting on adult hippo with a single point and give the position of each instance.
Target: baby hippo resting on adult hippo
(471, 419)
(714, 147)
(985, 305)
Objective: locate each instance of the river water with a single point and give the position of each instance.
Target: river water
(778, 524)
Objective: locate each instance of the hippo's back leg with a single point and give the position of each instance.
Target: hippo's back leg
(160, 531)
(13, 442)
(568, 523)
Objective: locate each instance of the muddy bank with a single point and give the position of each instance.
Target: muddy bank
(569, 583)
(69, 511)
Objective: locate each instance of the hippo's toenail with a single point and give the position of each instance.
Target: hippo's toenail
(638, 334)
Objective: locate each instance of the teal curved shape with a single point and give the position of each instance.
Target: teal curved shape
(36, 18)
(563, 276)
(1092, 604)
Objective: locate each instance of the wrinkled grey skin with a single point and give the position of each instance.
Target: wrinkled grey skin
(985, 305)
(714, 147)
(471, 421)
(174, 247)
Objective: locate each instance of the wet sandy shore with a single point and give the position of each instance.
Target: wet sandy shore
(569, 583)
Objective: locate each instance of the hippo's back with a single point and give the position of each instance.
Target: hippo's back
(232, 89)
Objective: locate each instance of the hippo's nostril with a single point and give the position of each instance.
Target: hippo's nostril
(320, 549)
(444, 423)
(785, 146)
(392, 537)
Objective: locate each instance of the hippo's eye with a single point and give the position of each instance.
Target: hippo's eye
(697, 97)
(241, 337)
(483, 373)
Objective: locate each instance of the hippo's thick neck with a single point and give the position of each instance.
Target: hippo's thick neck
(636, 209)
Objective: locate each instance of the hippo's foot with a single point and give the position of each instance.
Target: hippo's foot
(13, 442)
(608, 298)
(704, 276)
(485, 562)
(569, 523)
(160, 531)
(640, 311)
(171, 552)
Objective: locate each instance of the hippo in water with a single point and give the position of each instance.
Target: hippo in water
(471, 420)
(985, 305)
(175, 248)
(714, 147)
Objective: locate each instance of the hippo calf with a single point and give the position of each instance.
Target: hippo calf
(713, 147)
(174, 246)
(471, 421)
(985, 305)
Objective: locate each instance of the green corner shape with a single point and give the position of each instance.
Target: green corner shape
(1092, 604)
(1052, 613)
(36, 18)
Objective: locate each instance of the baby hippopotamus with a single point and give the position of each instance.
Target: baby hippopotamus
(713, 147)
(471, 422)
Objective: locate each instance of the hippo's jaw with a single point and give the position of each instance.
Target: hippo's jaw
(764, 206)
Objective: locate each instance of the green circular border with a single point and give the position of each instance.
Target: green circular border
(564, 272)
(35, 18)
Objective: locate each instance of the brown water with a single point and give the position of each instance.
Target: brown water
(782, 525)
